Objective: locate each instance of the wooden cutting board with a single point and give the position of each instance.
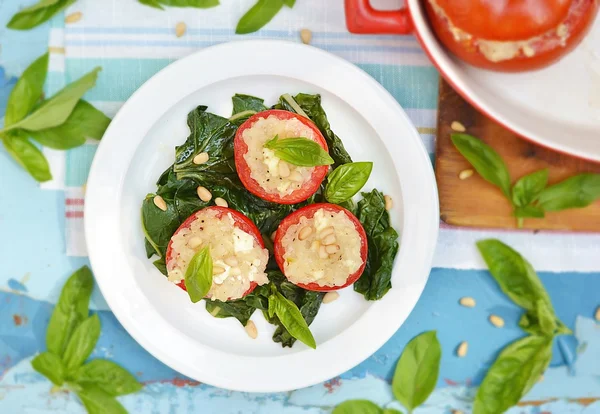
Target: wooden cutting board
(474, 202)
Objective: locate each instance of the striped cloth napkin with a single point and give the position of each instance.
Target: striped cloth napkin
(131, 42)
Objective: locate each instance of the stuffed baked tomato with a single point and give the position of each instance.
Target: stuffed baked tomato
(321, 247)
(264, 174)
(236, 247)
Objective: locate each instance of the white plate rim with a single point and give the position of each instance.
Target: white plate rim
(370, 332)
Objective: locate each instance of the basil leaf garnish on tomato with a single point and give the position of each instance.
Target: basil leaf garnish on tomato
(299, 151)
(347, 180)
(199, 275)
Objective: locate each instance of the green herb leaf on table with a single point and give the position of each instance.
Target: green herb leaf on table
(517, 368)
(199, 275)
(27, 155)
(84, 122)
(391, 411)
(258, 16)
(98, 401)
(347, 180)
(299, 151)
(484, 159)
(529, 211)
(37, 14)
(71, 309)
(290, 317)
(27, 92)
(575, 192)
(107, 375)
(357, 407)
(82, 343)
(528, 188)
(152, 3)
(200, 4)
(289, 3)
(417, 370)
(50, 366)
(55, 110)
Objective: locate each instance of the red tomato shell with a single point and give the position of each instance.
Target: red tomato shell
(240, 221)
(514, 20)
(243, 170)
(308, 212)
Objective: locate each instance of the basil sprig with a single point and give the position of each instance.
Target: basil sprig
(63, 121)
(200, 4)
(199, 275)
(260, 14)
(290, 317)
(519, 365)
(530, 196)
(299, 151)
(37, 14)
(347, 180)
(70, 339)
(414, 379)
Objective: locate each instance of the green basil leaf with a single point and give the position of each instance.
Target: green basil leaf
(290, 317)
(112, 378)
(357, 407)
(417, 370)
(98, 401)
(54, 111)
(527, 188)
(347, 180)
(259, 15)
(50, 366)
(27, 91)
(289, 3)
(391, 411)
(517, 368)
(299, 151)
(37, 14)
(152, 3)
(200, 4)
(27, 155)
(71, 309)
(514, 274)
(84, 122)
(199, 275)
(542, 321)
(529, 211)
(82, 343)
(484, 159)
(575, 192)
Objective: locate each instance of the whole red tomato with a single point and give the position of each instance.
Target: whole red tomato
(511, 35)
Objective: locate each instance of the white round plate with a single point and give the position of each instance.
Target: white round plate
(557, 107)
(139, 145)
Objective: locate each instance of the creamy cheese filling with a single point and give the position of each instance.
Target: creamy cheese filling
(324, 249)
(237, 258)
(274, 175)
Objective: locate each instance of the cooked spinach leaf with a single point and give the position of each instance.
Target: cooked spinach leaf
(159, 225)
(243, 103)
(383, 246)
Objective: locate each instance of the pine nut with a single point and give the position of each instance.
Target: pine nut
(200, 158)
(457, 412)
(305, 232)
(221, 202)
(256, 262)
(194, 242)
(597, 314)
(467, 301)
(284, 169)
(330, 297)
(315, 245)
(251, 330)
(160, 203)
(236, 271)
(73, 17)
(231, 261)
(332, 248)
(328, 240)
(528, 51)
(180, 29)
(305, 36)
(457, 126)
(497, 321)
(295, 176)
(389, 203)
(217, 270)
(204, 194)
(326, 232)
(464, 174)
(462, 349)
(323, 253)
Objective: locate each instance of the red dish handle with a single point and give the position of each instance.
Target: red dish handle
(362, 18)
